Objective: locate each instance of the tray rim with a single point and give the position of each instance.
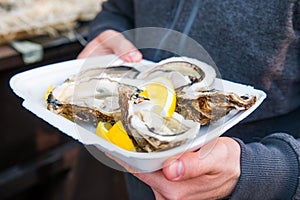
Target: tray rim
(17, 85)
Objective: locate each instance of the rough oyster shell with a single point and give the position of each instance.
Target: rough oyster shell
(208, 106)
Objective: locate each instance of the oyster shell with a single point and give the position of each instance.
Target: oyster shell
(208, 106)
(91, 95)
(113, 72)
(183, 71)
(92, 100)
(149, 130)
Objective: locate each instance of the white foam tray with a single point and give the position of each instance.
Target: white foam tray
(31, 86)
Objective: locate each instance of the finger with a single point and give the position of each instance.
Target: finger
(121, 46)
(191, 164)
(111, 41)
(156, 181)
(133, 56)
(127, 51)
(94, 48)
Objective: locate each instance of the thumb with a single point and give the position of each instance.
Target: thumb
(185, 167)
(121, 46)
(190, 164)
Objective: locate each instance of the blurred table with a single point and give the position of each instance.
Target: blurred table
(65, 46)
(37, 161)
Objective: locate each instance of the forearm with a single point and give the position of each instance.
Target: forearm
(115, 14)
(270, 169)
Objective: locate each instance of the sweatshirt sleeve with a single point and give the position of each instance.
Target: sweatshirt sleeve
(115, 14)
(269, 169)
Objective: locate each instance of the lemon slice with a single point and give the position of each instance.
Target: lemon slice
(116, 134)
(102, 129)
(162, 94)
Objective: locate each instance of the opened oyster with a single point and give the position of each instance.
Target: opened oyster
(149, 130)
(90, 96)
(112, 94)
(183, 71)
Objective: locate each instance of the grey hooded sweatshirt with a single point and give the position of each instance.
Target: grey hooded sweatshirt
(253, 42)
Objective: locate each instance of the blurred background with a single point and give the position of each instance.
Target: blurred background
(37, 161)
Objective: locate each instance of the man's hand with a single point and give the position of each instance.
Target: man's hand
(209, 173)
(112, 42)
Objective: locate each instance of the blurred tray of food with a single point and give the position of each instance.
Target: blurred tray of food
(21, 19)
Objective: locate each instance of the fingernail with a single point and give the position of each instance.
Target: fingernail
(175, 170)
(134, 55)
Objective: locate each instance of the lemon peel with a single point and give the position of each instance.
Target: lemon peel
(115, 134)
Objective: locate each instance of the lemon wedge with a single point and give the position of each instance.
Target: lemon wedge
(116, 134)
(49, 90)
(102, 129)
(162, 94)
